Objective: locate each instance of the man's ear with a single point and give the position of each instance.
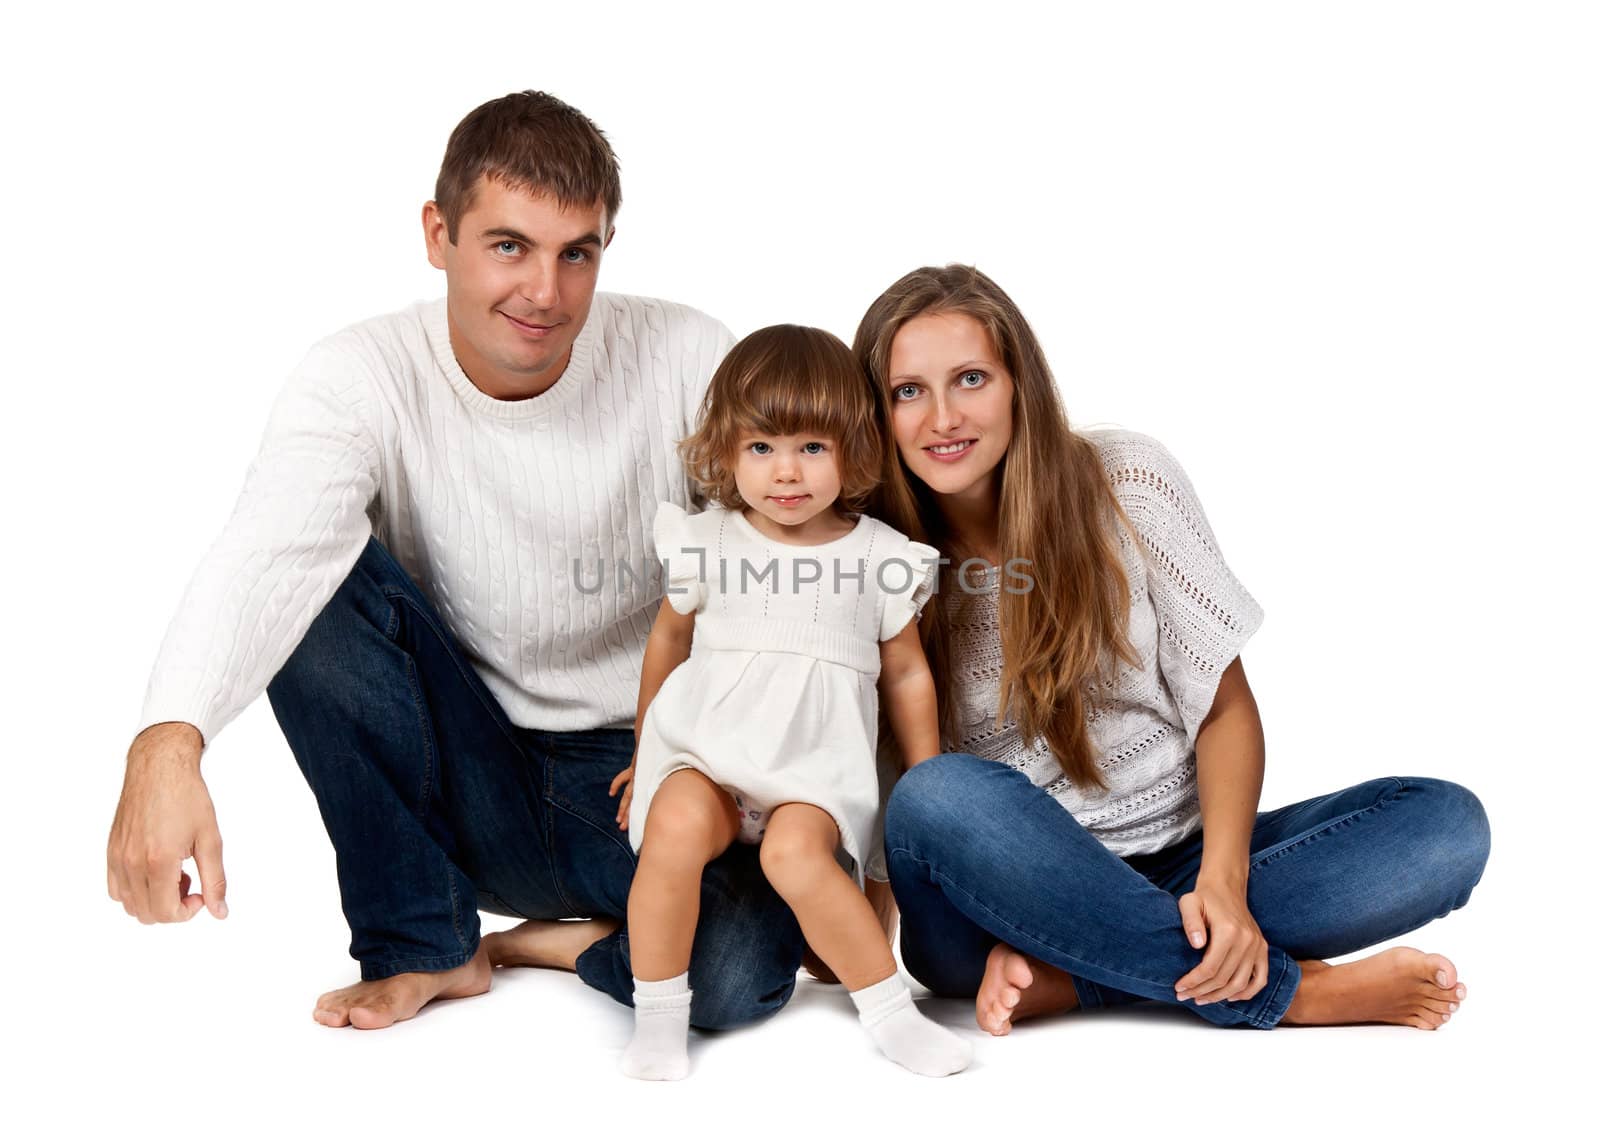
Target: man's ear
(610, 234)
(435, 233)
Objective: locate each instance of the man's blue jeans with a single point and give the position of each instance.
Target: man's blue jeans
(978, 854)
(437, 806)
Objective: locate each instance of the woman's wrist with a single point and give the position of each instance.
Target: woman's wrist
(1232, 876)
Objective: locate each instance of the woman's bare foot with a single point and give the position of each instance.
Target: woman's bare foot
(1016, 987)
(546, 944)
(1397, 986)
(380, 1003)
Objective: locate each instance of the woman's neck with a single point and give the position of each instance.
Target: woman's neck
(972, 520)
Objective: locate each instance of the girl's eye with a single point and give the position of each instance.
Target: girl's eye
(814, 448)
(761, 448)
(905, 392)
(972, 373)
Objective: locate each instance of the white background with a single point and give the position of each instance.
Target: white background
(1342, 259)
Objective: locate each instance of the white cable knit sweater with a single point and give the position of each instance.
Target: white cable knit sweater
(1188, 620)
(485, 503)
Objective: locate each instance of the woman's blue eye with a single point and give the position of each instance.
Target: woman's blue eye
(973, 373)
(905, 392)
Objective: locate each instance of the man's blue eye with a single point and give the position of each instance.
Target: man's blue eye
(582, 256)
(508, 247)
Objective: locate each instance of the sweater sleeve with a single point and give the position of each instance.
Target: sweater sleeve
(1204, 615)
(298, 527)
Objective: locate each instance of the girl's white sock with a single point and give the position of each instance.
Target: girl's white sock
(659, 1049)
(904, 1034)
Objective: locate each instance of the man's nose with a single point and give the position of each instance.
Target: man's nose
(540, 285)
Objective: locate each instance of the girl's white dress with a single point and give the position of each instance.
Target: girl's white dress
(778, 700)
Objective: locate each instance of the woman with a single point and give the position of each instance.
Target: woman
(1085, 656)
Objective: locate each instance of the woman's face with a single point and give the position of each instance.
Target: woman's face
(951, 404)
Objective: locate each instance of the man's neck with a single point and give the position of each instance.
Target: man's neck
(501, 384)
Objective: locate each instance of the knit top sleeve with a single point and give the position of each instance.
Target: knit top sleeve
(297, 529)
(682, 559)
(1204, 615)
(919, 573)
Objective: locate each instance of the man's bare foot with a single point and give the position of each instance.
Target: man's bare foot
(546, 944)
(379, 1003)
(1397, 986)
(1016, 987)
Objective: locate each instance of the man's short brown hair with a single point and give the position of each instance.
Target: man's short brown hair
(529, 141)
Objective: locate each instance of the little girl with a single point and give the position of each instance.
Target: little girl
(764, 731)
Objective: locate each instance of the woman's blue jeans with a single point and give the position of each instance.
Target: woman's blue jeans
(437, 806)
(978, 854)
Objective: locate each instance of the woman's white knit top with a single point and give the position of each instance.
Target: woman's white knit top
(1189, 619)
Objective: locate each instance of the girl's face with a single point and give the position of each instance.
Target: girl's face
(790, 479)
(951, 410)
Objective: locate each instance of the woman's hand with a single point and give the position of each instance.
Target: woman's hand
(625, 781)
(1218, 920)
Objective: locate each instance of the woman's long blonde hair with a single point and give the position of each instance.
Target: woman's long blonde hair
(1056, 510)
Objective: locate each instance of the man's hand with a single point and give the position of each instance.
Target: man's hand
(625, 781)
(165, 816)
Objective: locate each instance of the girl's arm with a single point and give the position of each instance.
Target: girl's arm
(1230, 758)
(668, 646)
(906, 684)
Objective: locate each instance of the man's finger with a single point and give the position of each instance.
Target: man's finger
(162, 877)
(213, 882)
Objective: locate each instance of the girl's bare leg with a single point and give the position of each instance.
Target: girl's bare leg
(841, 927)
(691, 821)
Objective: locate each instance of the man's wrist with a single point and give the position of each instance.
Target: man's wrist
(169, 739)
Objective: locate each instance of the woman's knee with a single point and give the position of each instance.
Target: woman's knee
(934, 796)
(1452, 832)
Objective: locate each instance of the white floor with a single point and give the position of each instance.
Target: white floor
(159, 1032)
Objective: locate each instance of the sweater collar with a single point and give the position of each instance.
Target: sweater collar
(573, 380)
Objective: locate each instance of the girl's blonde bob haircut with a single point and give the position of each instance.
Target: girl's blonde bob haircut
(787, 380)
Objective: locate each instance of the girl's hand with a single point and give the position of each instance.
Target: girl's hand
(1235, 964)
(625, 780)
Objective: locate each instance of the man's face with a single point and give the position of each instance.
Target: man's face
(520, 277)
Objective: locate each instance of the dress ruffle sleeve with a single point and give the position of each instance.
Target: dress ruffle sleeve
(921, 565)
(683, 559)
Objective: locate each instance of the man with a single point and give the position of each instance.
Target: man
(399, 568)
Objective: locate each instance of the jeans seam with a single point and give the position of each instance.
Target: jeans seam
(430, 755)
(548, 824)
(448, 641)
(1293, 843)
